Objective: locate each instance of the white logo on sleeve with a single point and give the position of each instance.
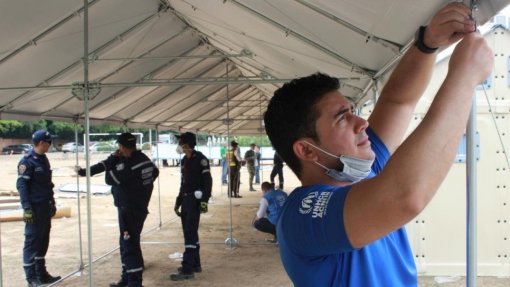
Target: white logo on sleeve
(321, 205)
(306, 203)
(315, 203)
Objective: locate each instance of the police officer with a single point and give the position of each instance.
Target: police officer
(36, 195)
(196, 185)
(131, 174)
(234, 163)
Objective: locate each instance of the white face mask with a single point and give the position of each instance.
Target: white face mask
(179, 149)
(355, 169)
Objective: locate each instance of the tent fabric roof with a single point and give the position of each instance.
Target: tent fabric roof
(204, 66)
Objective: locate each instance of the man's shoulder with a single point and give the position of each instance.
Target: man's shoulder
(201, 158)
(26, 159)
(199, 154)
(140, 155)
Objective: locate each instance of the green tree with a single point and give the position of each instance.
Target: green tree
(9, 127)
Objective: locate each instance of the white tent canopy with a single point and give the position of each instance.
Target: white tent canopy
(180, 65)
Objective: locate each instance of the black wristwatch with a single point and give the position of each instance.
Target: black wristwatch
(420, 44)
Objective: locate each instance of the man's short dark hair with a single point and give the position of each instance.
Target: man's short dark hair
(187, 138)
(291, 114)
(266, 186)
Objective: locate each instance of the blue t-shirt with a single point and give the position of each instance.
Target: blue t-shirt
(275, 199)
(316, 252)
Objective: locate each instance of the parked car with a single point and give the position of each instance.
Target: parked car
(72, 147)
(102, 147)
(17, 149)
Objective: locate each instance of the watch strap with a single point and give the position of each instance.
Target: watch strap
(420, 44)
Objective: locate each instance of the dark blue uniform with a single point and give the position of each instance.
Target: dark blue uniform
(277, 170)
(195, 175)
(131, 179)
(36, 192)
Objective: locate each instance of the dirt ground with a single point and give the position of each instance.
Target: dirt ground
(251, 262)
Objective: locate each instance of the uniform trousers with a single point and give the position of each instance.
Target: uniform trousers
(37, 239)
(264, 225)
(190, 219)
(130, 226)
(277, 170)
(251, 172)
(234, 181)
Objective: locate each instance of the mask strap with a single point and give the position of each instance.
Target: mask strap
(321, 165)
(330, 154)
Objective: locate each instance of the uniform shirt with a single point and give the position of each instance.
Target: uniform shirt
(249, 156)
(34, 179)
(271, 204)
(196, 175)
(234, 157)
(316, 251)
(131, 179)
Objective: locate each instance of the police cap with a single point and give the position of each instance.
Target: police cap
(127, 139)
(41, 135)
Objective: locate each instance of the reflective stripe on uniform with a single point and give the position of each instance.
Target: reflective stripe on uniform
(24, 176)
(113, 177)
(140, 164)
(205, 171)
(134, 270)
(190, 246)
(38, 258)
(28, 264)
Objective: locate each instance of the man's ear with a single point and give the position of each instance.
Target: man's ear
(304, 151)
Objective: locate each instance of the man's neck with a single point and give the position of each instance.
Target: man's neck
(39, 150)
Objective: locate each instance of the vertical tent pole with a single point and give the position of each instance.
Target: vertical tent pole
(80, 267)
(157, 163)
(87, 127)
(230, 242)
(471, 189)
(261, 131)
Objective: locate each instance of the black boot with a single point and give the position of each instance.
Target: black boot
(120, 283)
(34, 283)
(197, 269)
(48, 279)
(182, 276)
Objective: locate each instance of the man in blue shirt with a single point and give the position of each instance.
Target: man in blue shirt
(361, 182)
(270, 207)
(35, 189)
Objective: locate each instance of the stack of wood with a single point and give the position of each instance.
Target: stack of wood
(10, 210)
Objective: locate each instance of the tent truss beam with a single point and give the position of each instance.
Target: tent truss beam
(354, 67)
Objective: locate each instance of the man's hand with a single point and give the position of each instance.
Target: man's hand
(449, 25)
(81, 172)
(177, 210)
(203, 207)
(471, 61)
(28, 216)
